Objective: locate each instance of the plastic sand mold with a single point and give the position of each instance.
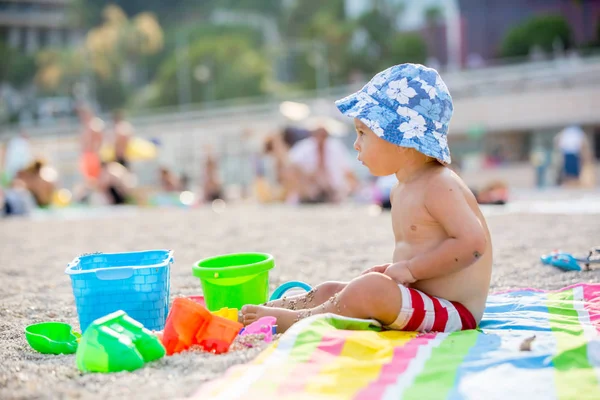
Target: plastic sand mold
(115, 343)
(52, 338)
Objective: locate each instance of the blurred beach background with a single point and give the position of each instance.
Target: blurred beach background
(207, 101)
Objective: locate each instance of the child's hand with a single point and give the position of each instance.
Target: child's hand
(377, 268)
(400, 273)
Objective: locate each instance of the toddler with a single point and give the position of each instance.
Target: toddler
(442, 262)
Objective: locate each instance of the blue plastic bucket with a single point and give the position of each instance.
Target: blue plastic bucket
(137, 283)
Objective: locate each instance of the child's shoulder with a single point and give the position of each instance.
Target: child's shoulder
(444, 181)
(442, 175)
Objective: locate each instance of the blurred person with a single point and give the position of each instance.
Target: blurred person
(92, 137)
(114, 183)
(495, 157)
(442, 258)
(123, 131)
(184, 181)
(248, 158)
(32, 186)
(40, 180)
(292, 135)
(211, 184)
(540, 158)
(17, 155)
(320, 169)
(113, 186)
(574, 149)
(16, 200)
(169, 181)
(494, 193)
(262, 187)
(276, 148)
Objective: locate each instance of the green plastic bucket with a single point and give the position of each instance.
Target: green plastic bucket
(234, 280)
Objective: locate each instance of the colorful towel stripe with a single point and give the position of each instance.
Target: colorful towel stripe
(331, 357)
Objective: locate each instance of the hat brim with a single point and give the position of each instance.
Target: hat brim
(352, 106)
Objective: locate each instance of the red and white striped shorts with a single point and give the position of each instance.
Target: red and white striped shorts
(424, 313)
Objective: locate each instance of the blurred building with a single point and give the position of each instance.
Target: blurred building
(33, 24)
(486, 22)
(482, 24)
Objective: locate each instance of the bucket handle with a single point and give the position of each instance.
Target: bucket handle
(280, 291)
(113, 274)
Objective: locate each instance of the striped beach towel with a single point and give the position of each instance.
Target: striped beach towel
(531, 345)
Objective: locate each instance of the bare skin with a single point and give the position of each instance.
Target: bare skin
(116, 176)
(33, 179)
(212, 183)
(123, 132)
(91, 138)
(442, 245)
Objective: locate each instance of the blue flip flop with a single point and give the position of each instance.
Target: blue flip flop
(568, 262)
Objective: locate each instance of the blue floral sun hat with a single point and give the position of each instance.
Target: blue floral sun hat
(408, 105)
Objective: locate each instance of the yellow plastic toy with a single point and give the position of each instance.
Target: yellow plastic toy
(228, 313)
(138, 149)
(61, 198)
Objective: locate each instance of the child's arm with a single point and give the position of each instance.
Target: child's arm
(466, 241)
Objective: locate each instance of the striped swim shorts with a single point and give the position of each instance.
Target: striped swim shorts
(424, 313)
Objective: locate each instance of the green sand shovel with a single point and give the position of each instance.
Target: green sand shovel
(52, 338)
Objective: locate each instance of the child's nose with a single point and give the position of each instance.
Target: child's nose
(356, 146)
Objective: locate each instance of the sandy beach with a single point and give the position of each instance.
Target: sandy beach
(312, 244)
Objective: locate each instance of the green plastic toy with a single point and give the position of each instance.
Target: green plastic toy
(52, 338)
(115, 343)
(234, 280)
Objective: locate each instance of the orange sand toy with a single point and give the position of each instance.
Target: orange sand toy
(191, 324)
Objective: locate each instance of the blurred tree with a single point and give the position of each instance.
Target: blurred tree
(433, 14)
(542, 31)
(406, 47)
(108, 57)
(272, 8)
(319, 45)
(59, 69)
(16, 68)
(326, 35)
(119, 43)
(378, 26)
(383, 45)
(112, 93)
(298, 21)
(192, 33)
(221, 67)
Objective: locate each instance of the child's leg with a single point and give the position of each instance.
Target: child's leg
(372, 295)
(317, 296)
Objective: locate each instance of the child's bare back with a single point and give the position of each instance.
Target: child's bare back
(417, 232)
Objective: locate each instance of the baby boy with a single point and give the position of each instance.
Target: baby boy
(442, 262)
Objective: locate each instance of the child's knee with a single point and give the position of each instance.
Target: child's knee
(379, 295)
(376, 284)
(328, 289)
